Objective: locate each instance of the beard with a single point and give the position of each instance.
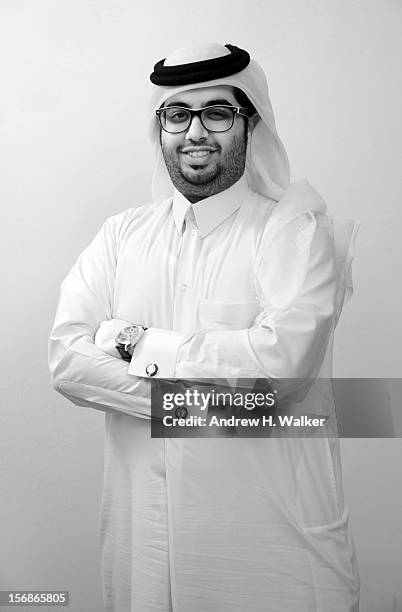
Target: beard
(198, 182)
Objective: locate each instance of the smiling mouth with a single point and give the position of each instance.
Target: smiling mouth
(198, 152)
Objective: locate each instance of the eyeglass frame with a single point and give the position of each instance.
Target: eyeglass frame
(197, 113)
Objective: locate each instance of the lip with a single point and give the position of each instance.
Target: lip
(198, 155)
(198, 149)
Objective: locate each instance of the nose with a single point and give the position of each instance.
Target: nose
(196, 130)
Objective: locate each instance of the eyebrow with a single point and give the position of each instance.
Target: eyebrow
(215, 102)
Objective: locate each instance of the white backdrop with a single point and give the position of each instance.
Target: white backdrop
(74, 150)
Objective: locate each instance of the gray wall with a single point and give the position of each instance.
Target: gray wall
(73, 151)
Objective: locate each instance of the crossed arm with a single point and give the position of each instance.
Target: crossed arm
(296, 289)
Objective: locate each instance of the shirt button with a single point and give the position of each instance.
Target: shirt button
(151, 369)
(181, 412)
(184, 288)
(193, 232)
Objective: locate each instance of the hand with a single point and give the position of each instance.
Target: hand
(105, 336)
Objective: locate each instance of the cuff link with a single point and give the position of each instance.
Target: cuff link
(181, 412)
(151, 369)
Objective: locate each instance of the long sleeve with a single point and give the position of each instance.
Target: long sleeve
(79, 369)
(295, 282)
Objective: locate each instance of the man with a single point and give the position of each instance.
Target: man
(230, 272)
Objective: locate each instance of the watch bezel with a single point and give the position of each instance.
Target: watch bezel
(127, 338)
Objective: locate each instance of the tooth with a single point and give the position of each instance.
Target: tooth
(198, 153)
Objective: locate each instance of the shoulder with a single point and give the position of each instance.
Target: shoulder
(298, 200)
(301, 207)
(134, 218)
(298, 222)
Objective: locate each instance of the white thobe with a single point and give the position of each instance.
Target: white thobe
(233, 286)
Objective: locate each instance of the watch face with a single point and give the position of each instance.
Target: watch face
(128, 335)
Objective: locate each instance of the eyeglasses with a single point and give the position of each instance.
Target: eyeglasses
(176, 119)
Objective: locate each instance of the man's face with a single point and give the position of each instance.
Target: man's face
(202, 163)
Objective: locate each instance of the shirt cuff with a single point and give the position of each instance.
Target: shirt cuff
(156, 353)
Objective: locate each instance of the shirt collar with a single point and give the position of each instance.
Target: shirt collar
(210, 212)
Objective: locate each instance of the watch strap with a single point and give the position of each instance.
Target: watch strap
(123, 353)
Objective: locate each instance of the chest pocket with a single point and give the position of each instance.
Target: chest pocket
(227, 315)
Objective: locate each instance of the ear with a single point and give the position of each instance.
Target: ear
(252, 122)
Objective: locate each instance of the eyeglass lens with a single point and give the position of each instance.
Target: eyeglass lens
(214, 118)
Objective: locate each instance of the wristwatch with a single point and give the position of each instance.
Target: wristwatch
(127, 339)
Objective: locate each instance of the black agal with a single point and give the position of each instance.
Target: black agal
(197, 72)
